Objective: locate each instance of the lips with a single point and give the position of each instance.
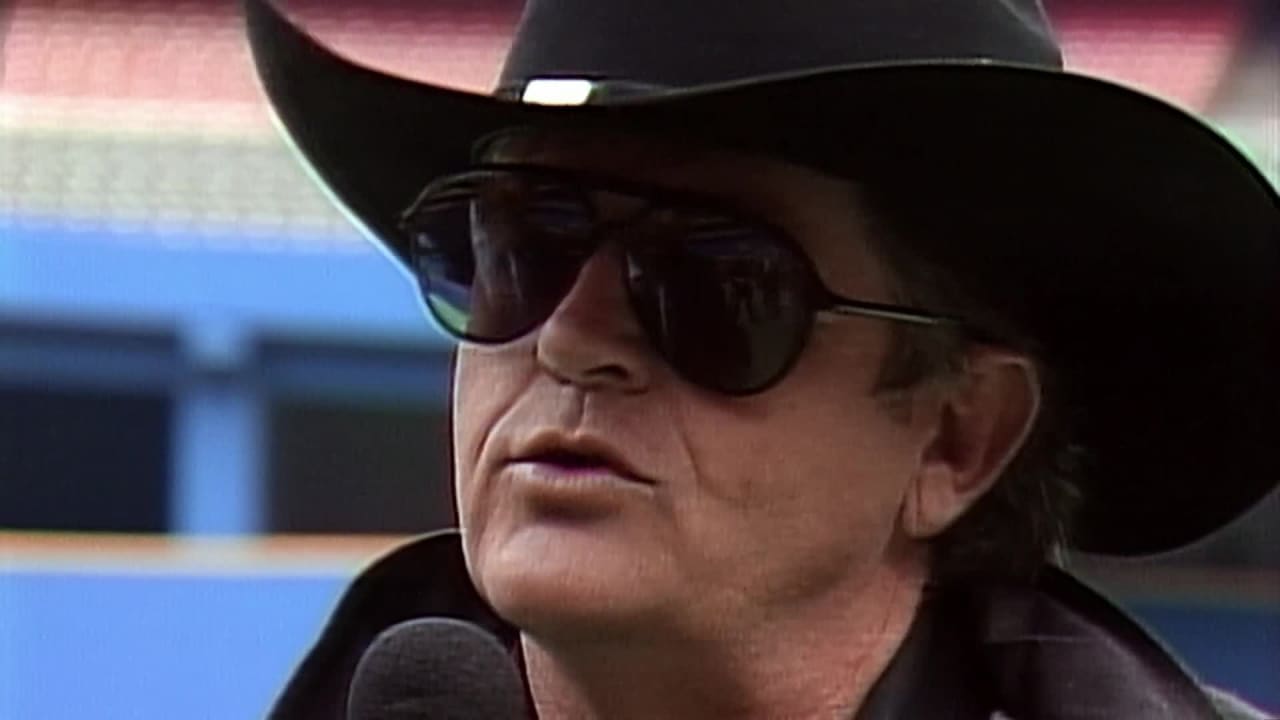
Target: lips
(579, 453)
(570, 460)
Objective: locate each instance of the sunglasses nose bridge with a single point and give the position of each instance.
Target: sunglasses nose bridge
(598, 285)
(593, 337)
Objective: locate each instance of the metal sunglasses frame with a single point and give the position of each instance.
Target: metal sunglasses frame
(454, 187)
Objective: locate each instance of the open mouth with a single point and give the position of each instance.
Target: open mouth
(575, 462)
(570, 460)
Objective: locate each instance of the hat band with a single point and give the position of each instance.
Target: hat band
(567, 90)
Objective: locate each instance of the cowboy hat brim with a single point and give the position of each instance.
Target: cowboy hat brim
(1140, 249)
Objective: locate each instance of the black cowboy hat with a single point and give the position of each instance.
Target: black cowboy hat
(1138, 248)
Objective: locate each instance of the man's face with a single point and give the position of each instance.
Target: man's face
(748, 505)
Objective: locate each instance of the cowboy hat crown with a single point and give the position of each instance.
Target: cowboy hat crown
(687, 44)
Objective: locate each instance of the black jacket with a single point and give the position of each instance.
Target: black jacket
(1052, 650)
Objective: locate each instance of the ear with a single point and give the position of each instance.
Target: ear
(981, 421)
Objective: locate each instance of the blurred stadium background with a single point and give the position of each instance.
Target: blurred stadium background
(217, 401)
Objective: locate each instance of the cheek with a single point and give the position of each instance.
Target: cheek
(486, 383)
(840, 436)
(785, 515)
(839, 460)
(805, 480)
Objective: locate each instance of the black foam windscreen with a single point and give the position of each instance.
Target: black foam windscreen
(436, 668)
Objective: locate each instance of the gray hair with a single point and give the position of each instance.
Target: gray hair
(1024, 520)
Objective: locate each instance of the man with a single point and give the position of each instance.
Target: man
(797, 349)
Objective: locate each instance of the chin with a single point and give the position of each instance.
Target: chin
(565, 588)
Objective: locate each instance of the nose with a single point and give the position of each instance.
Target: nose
(593, 338)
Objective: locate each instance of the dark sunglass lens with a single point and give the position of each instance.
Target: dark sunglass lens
(727, 304)
(493, 262)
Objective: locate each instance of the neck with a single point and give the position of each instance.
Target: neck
(817, 661)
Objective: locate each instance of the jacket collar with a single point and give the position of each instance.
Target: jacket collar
(1051, 650)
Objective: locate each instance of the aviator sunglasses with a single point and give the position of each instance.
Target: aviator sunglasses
(727, 300)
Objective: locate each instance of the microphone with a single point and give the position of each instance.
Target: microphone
(436, 669)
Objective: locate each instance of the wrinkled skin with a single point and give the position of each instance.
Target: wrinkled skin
(801, 513)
